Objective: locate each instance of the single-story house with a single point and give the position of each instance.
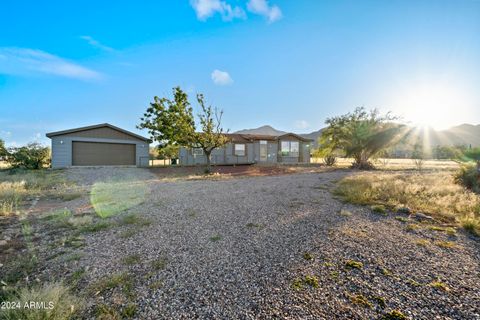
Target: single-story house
(252, 148)
(98, 145)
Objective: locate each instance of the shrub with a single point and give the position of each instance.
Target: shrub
(31, 156)
(65, 304)
(394, 315)
(312, 281)
(469, 177)
(352, 264)
(471, 225)
(330, 160)
(380, 209)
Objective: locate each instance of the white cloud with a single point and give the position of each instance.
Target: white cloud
(221, 78)
(261, 7)
(301, 124)
(97, 44)
(207, 8)
(24, 61)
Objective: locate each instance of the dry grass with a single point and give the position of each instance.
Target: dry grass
(59, 303)
(15, 185)
(434, 193)
(397, 164)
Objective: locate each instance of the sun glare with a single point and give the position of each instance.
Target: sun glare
(434, 105)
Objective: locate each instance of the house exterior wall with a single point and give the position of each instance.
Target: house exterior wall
(225, 155)
(272, 147)
(62, 149)
(305, 151)
(102, 133)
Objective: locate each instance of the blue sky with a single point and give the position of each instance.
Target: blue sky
(290, 64)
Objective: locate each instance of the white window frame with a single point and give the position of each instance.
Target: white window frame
(242, 152)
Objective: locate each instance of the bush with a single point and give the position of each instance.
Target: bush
(329, 160)
(31, 156)
(468, 176)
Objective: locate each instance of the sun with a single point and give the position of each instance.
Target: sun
(436, 105)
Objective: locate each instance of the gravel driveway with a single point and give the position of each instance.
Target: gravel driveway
(245, 248)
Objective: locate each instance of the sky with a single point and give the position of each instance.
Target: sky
(288, 64)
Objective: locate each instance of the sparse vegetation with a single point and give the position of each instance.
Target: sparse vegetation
(254, 225)
(308, 256)
(380, 209)
(445, 244)
(412, 227)
(439, 285)
(16, 185)
(216, 238)
(401, 219)
(361, 300)
(422, 242)
(380, 301)
(132, 259)
(123, 280)
(99, 226)
(394, 315)
(468, 177)
(300, 283)
(65, 304)
(312, 281)
(133, 219)
(433, 193)
(159, 264)
(352, 264)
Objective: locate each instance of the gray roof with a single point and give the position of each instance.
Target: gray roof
(101, 125)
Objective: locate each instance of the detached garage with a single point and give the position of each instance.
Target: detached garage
(98, 145)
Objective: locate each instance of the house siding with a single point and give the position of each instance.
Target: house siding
(225, 155)
(62, 152)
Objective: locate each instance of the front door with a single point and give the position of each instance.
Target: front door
(263, 150)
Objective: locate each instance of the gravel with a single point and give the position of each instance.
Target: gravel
(234, 249)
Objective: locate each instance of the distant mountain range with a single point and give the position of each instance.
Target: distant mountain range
(465, 134)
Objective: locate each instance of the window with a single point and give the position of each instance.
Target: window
(197, 151)
(294, 148)
(290, 148)
(239, 149)
(285, 148)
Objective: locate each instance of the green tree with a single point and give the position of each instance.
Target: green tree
(471, 154)
(3, 150)
(361, 135)
(171, 123)
(212, 135)
(31, 156)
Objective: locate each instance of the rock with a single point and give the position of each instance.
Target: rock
(3, 242)
(423, 216)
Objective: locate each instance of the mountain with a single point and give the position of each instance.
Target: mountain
(465, 134)
(314, 136)
(266, 130)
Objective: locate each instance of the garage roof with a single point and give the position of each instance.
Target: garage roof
(63, 132)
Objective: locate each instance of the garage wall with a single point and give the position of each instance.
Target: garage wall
(62, 152)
